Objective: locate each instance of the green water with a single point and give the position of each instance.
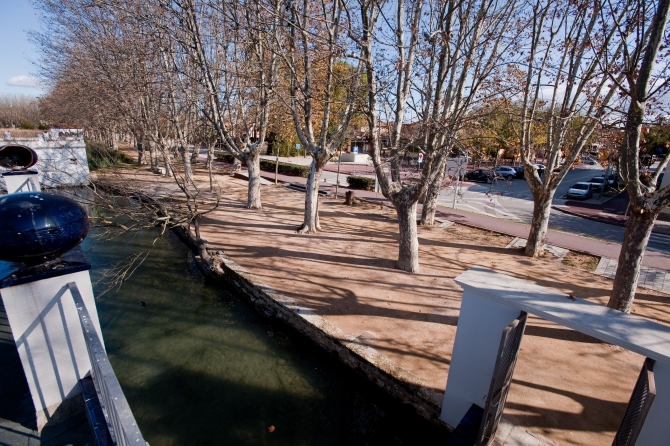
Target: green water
(200, 366)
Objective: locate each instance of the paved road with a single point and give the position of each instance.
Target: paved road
(515, 203)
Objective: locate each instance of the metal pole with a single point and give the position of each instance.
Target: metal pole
(276, 166)
(337, 181)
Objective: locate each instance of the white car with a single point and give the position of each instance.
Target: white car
(581, 190)
(505, 172)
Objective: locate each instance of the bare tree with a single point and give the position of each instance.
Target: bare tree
(645, 71)
(323, 86)
(429, 62)
(565, 91)
(238, 73)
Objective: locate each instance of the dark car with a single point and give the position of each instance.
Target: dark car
(598, 183)
(519, 171)
(478, 175)
(540, 168)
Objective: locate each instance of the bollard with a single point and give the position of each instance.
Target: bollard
(349, 198)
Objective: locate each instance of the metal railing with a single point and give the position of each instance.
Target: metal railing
(120, 420)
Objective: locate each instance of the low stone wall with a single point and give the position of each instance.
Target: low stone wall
(393, 379)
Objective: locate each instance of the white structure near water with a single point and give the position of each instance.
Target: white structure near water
(61, 159)
(492, 302)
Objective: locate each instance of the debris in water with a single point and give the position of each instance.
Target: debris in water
(271, 429)
(143, 303)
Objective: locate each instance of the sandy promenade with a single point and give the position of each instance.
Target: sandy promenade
(567, 387)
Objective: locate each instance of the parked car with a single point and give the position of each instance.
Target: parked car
(478, 175)
(519, 171)
(540, 169)
(505, 172)
(598, 183)
(581, 190)
(590, 161)
(612, 180)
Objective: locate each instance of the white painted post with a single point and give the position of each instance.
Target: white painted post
(656, 430)
(48, 336)
(25, 181)
(480, 326)
(492, 300)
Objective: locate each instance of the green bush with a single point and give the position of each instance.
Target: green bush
(100, 155)
(224, 157)
(293, 170)
(363, 183)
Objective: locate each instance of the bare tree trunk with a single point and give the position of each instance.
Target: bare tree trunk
(311, 219)
(538, 226)
(186, 162)
(432, 192)
(254, 172)
(141, 159)
(634, 244)
(237, 165)
(169, 168)
(210, 163)
(153, 157)
(195, 154)
(408, 249)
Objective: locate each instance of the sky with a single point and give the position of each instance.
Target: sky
(19, 18)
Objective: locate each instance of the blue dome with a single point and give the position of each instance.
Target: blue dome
(38, 226)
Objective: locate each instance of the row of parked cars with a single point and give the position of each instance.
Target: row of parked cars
(506, 172)
(586, 189)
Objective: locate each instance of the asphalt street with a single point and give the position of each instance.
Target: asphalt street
(515, 202)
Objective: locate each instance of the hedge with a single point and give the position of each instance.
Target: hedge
(363, 183)
(100, 155)
(224, 157)
(293, 170)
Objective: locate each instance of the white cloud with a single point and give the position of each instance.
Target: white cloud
(23, 81)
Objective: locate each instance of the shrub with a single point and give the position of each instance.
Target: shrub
(224, 157)
(100, 155)
(363, 183)
(293, 170)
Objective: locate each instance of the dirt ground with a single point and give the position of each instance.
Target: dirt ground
(568, 387)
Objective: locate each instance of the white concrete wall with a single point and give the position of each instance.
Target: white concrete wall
(61, 162)
(49, 338)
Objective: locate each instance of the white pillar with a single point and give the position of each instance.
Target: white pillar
(656, 429)
(48, 336)
(480, 326)
(26, 181)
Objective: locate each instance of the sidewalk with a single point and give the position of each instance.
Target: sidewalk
(587, 245)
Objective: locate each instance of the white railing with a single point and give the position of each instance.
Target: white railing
(120, 420)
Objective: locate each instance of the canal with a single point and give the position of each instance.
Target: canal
(200, 366)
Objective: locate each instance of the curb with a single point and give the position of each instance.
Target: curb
(655, 229)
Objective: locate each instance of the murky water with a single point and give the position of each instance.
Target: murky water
(200, 366)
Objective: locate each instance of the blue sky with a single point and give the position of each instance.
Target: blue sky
(19, 18)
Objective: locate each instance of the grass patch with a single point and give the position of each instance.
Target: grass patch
(581, 261)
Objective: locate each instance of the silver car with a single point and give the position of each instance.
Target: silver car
(581, 190)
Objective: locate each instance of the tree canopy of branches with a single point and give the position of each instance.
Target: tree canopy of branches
(644, 68)
(429, 63)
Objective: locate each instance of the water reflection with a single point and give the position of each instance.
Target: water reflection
(200, 366)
